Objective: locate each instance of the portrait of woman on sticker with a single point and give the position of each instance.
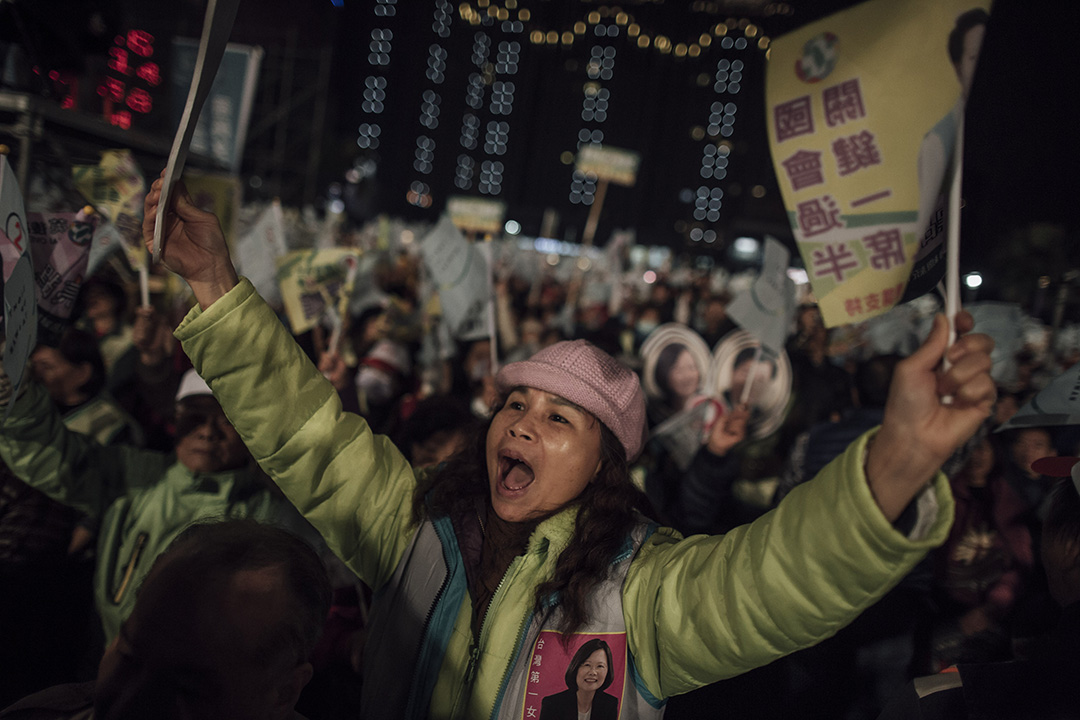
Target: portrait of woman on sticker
(587, 676)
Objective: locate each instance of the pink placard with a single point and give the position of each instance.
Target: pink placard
(549, 695)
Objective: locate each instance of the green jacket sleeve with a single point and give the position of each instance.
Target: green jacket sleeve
(68, 466)
(706, 608)
(353, 486)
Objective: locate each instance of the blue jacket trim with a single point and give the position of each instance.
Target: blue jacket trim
(441, 623)
(639, 684)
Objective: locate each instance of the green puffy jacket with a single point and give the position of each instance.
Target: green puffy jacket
(697, 610)
(144, 498)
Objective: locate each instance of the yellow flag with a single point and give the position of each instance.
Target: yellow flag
(863, 111)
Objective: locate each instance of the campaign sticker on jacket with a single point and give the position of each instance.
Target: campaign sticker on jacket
(589, 670)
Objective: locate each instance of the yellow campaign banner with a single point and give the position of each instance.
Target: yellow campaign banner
(312, 283)
(863, 110)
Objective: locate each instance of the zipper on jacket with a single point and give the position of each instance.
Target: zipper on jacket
(523, 628)
(427, 620)
(475, 646)
(129, 571)
(474, 650)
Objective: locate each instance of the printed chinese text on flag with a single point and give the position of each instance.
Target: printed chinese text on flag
(862, 114)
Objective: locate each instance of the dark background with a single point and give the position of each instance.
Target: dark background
(1020, 220)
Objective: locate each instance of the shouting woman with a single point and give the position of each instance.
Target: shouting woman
(532, 531)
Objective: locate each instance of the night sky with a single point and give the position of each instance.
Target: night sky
(1021, 216)
(1021, 147)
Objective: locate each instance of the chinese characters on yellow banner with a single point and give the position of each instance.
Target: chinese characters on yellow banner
(863, 111)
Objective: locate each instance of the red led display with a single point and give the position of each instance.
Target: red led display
(129, 63)
(140, 42)
(150, 72)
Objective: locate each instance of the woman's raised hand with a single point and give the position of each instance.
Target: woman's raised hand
(194, 245)
(920, 430)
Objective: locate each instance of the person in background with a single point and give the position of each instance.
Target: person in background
(1034, 612)
(46, 618)
(714, 323)
(703, 492)
(471, 376)
(223, 629)
(815, 448)
(531, 332)
(982, 569)
(143, 497)
(822, 391)
(437, 429)
(73, 373)
(101, 308)
(158, 370)
(1041, 686)
(1024, 446)
(382, 378)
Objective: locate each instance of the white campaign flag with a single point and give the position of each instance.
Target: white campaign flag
(1004, 322)
(1057, 404)
(258, 250)
(766, 308)
(461, 276)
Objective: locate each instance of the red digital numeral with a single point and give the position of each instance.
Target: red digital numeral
(112, 89)
(140, 42)
(139, 100)
(149, 72)
(121, 118)
(118, 60)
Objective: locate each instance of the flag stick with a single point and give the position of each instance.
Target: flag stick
(753, 375)
(144, 285)
(952, 252)
(492, 323)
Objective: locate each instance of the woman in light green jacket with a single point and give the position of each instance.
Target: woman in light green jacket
(490, 574)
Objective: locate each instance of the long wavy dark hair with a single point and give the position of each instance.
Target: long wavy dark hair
(609, 507)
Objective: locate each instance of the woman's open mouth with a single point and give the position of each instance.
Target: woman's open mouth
(514, 473)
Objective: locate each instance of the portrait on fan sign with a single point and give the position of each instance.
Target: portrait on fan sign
(584, 676)
(675, 369)
(745, 372)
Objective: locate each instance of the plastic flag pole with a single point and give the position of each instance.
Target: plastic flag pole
(217, 27)
(144, 285)
(952, 252)
(753, 375)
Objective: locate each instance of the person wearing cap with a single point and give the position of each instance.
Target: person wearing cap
(491, 570)
(142, 497)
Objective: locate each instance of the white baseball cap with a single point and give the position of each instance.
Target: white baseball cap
(192, 384)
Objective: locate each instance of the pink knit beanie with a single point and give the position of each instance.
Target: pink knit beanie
(587, 376)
